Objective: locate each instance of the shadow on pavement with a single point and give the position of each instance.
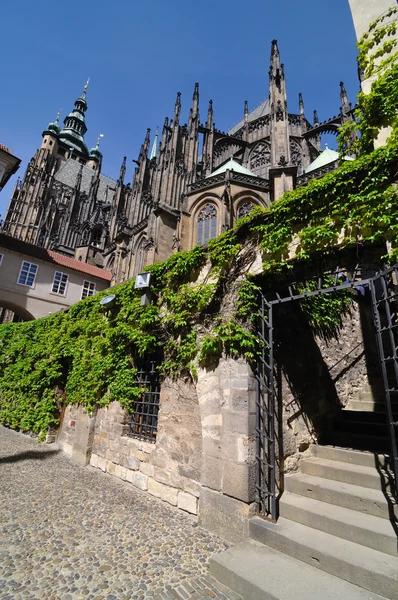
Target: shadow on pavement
(29, 455)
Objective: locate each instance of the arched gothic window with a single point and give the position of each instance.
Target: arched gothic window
(139, 257)
(207, 224)
(244, 209)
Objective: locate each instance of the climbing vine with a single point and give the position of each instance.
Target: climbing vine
(205, 301)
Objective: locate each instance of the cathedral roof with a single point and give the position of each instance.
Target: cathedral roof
(68, 175)
(261, 110)
(326, 157)
(231, 165)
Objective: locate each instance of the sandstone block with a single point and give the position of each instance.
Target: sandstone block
(110, 467)
(132, 463)
(188, 503)
(225, 516)
(239, 481)
(139, 480)
(155, 488)
(211, 472)
(162, 475)
(94, 460)
(138, 454)
(147, 469)
(118, 471)
(169, 494)
(239, 423)
(192, 487)
(101, 464)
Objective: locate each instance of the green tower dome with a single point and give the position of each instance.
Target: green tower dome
(54, 127)
(95, 153)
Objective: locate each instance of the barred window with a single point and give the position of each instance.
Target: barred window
(207, 224)
(88, 289)
(1, 259)
(27, 274)
(143, 422)
(59, 283)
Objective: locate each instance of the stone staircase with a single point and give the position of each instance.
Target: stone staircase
(336, 537)
(362, 424)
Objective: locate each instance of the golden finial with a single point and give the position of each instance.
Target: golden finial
(86, 86)
(101, 135)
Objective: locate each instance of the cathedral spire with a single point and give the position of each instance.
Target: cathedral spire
(209, 122)
(75, 127)
(345, 105)
(122, 171)
(154, 151)
(195, 100)
(280, 142)
(276, 72)
(301, 104)
(177, 108)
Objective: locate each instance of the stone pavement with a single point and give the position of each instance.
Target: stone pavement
(71, 533)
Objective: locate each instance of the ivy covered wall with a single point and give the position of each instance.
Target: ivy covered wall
(205, 300)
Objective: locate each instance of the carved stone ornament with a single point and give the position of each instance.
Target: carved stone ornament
(295, 153)
(259, 123)
(282, 161)
(245, 209)
(279, 113)
(260, 156)
(149, 244)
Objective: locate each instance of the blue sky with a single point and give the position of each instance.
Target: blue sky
(138, 55)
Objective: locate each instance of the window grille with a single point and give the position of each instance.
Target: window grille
(88, 289)
(59, 283)
(27, 274)
(207, 224)
(143, 422)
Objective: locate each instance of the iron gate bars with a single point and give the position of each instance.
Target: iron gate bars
(384, 307)
(265, 416)
(384, 291)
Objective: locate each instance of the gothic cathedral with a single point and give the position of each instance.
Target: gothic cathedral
(189, 187)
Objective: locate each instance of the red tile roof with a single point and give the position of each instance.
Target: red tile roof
(77, 265)
(2, 147)
(53, 257)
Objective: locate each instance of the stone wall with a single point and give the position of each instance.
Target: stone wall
(203, 460)
(168, 469)
(320, 376)
(227, 403)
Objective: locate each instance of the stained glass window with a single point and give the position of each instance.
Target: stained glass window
(207, 224)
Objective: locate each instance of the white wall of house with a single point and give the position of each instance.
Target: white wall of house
(39, 300)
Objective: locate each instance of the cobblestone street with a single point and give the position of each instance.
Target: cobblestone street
(68, 532)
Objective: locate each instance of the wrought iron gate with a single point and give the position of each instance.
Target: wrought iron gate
(384, 298)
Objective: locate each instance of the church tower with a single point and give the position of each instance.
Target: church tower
(63, 201)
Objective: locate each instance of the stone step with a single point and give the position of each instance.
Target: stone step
(367, 530)
(257, 572)
(365, 500)
(359, 565)
(347, 473)
(368, 406)
(354, 457)
(358, 441)
(363, 416)
(361, 426)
